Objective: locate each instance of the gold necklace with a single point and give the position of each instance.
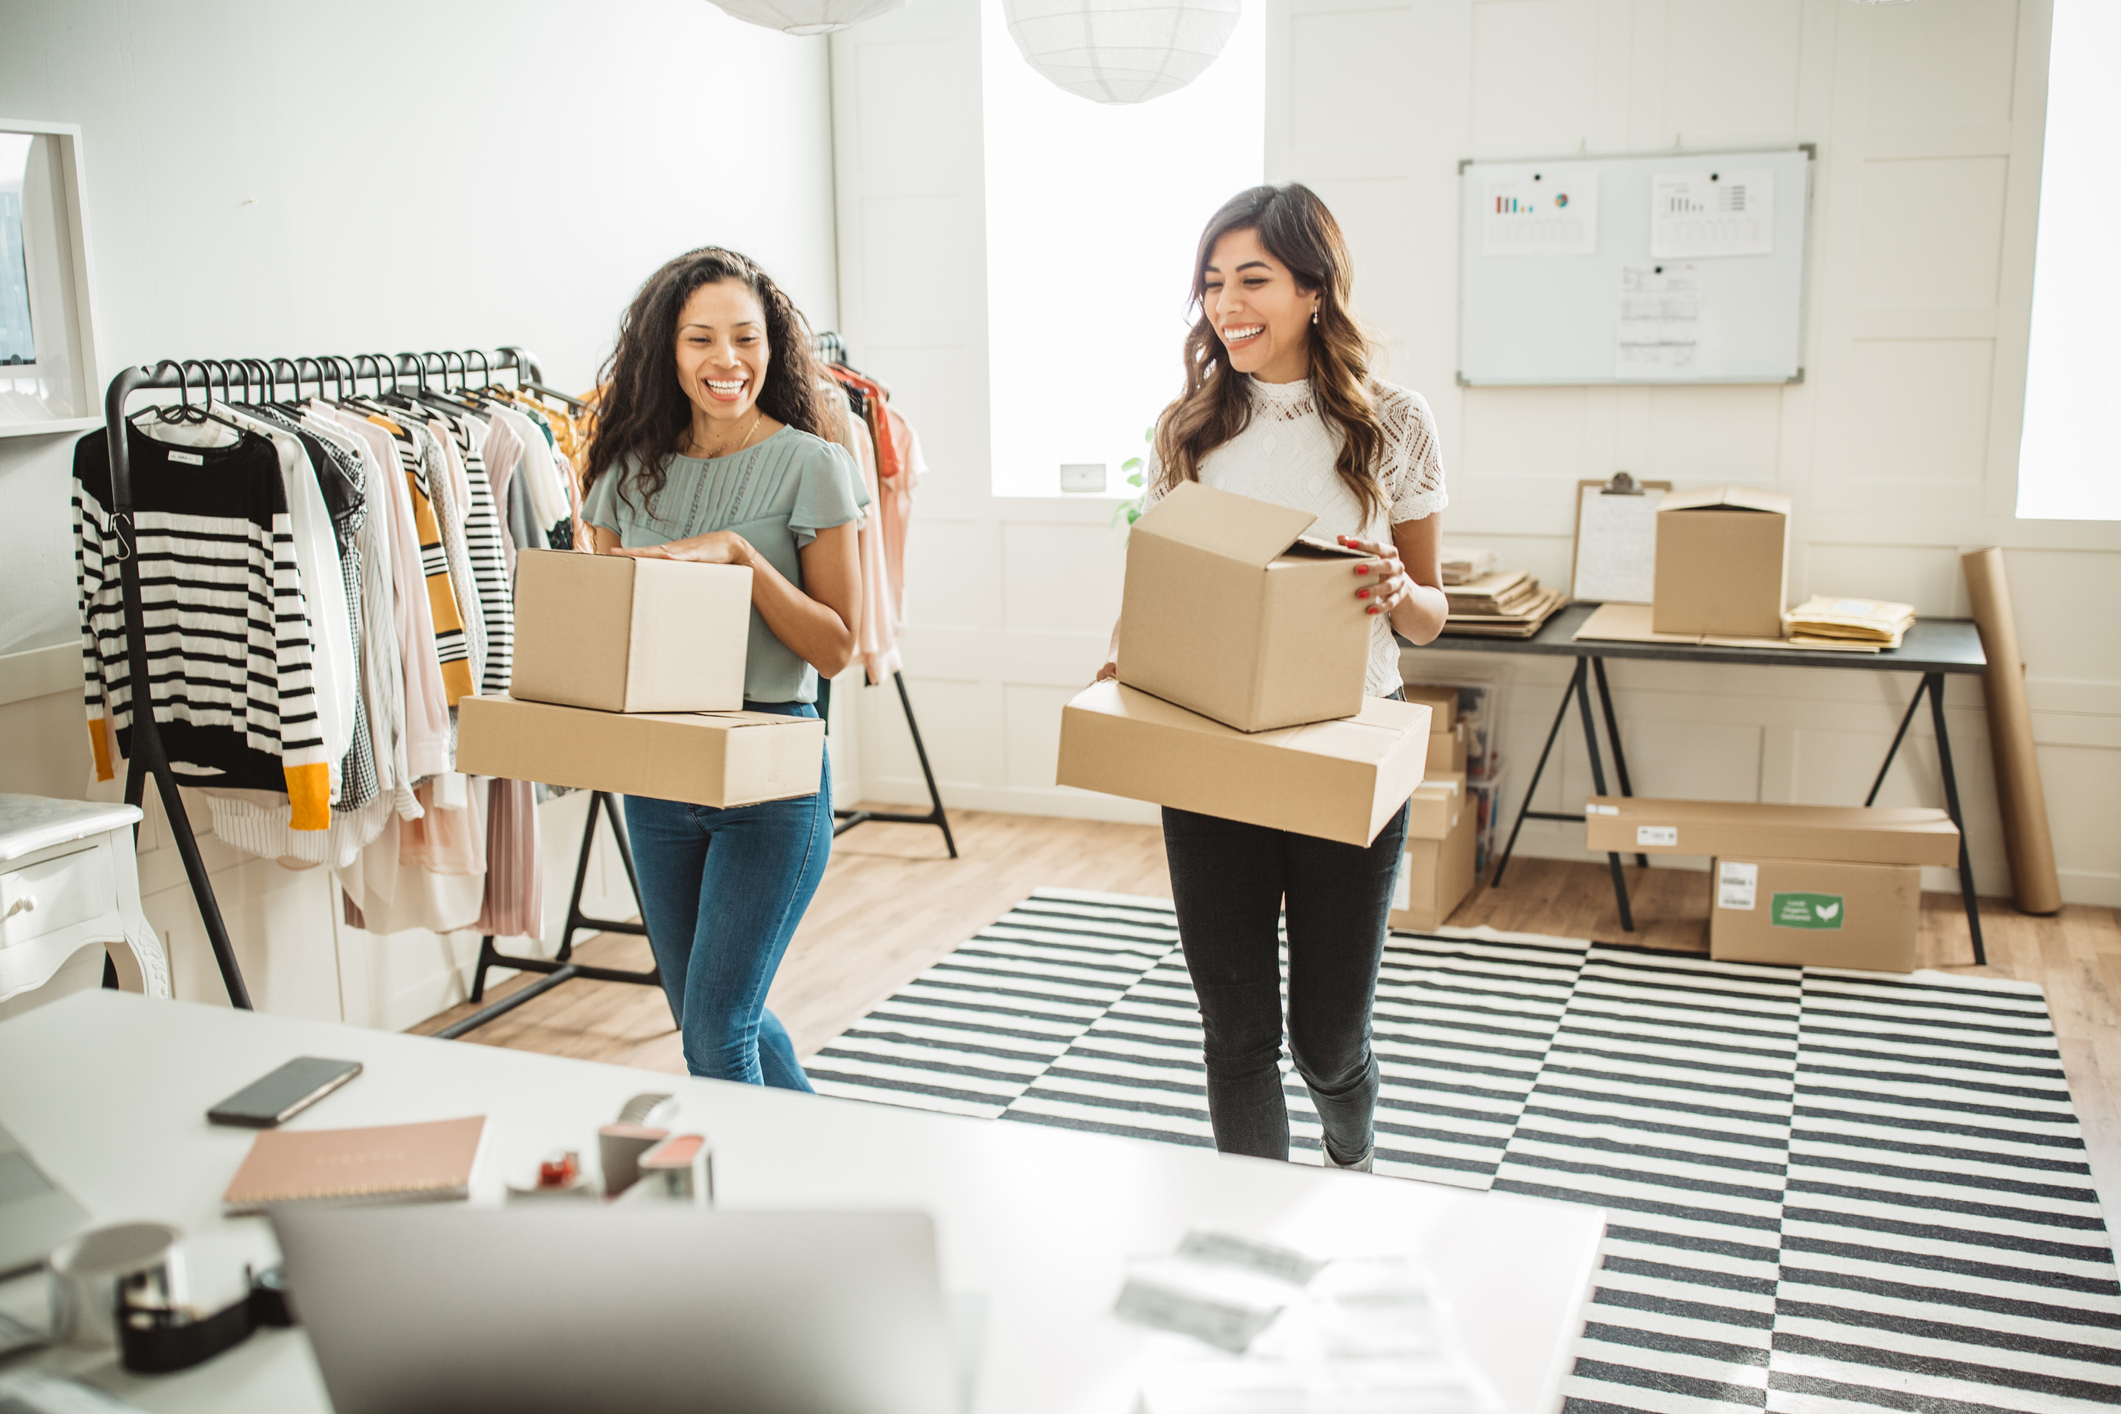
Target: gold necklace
(756, 419)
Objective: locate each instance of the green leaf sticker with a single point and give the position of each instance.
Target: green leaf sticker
(1812, 911)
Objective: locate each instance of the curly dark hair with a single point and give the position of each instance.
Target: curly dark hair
(642, 411)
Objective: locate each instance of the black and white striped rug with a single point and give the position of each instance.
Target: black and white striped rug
(1825, 1191)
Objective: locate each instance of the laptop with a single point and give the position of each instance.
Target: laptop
(423, 1309)
(36, 1214)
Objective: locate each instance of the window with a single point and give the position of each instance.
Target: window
(47, 357)
(1092, 215)
(18, 344)
(2069, 461)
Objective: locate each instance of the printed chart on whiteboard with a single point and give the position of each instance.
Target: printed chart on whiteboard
(1660, 322)
(1698, 215)
(1545, 213)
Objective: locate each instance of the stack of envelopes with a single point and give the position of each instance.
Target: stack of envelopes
(1848, 620)
(1501, 604)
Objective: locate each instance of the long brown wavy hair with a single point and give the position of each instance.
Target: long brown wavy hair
(642, 411)
(1297, 230)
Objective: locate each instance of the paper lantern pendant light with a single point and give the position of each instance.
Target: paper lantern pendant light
(1121, 51)
(807, 16)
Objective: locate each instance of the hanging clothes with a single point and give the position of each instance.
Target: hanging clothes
(876, 638)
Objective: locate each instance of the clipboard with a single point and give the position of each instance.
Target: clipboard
(1621, 515)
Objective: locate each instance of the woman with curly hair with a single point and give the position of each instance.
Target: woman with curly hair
(1280, 405)
(711, 445)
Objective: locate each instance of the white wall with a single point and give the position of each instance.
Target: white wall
(1899, 447)
(267, 178)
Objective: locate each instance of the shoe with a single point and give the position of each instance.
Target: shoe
(1361, 1165)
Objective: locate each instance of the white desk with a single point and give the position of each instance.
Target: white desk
(109, 1092)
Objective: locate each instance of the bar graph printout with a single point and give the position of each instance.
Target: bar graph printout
(1696, 215)
(1552, 211)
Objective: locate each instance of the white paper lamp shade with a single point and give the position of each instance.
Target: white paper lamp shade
(807, 16)
(1121, 51)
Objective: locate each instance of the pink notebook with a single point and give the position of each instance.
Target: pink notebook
(385, 1163)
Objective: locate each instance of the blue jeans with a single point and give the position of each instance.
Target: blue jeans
(722, 892)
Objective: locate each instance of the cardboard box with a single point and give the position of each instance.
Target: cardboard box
(1436, 874)
(626, 635)
(1723, 561)
(700, 758)
(1816, 913)
(1437, 803)
(1443, 701)
(1228, 612)
(1447, 751)
(1338, 780)
(1748, 831)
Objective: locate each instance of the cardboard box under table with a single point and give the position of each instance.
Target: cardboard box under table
(626, 635)
(1437, 869)
(1228, 612)
(1744, 830)
(1338, 780)
(1820, 913)
(1723, 557)
(701, 758)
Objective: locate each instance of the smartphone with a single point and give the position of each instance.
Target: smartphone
(284, 1093)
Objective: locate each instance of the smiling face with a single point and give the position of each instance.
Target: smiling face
(722, 349)
(1258, 310)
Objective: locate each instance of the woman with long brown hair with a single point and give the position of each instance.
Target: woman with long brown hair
(1279, 405)
(712, 444)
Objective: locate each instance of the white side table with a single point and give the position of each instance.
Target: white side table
(68, 879)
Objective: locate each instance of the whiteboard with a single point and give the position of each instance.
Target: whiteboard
(1552, 255)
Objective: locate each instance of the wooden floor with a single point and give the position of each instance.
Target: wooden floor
(892, 903)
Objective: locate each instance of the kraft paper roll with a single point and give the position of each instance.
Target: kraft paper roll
(2010, 732)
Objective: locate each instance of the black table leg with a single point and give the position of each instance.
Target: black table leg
(1612, 735)
(1935, 683)
(1590, 744)
(1913, 704)
(1524, 808)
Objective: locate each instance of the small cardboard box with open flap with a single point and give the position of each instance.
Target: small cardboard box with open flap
(1231, 612)
(1814, 912)
(1338, 780)
(1436, 869)
(625, 635)
(1723, 559)
(700, 758)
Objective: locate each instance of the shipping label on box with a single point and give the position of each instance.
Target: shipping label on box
(1338, 780)
(719, 759)
(621, 634)
(1229, 613)
(1722, 562)
(1816, 913)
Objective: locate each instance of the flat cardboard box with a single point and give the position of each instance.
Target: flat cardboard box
(1447, 751)
(1437, 803)
(700, 758)
(1443, 701)
(1630, 623)
(1723, 562)
(626, 635)
(1435, 875)
(1228, 612)
(1338, 780)
(1742, 830)
(1816, 913)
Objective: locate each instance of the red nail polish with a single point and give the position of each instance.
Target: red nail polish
(1362, 593)
(1371, 610)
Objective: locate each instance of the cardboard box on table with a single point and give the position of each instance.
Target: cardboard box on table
(625, 635)
(1338, 780)
(1820, 913)
(1723, 555)
(1741, 830)
(1436, 871)
(700, 758)
(1228, 612)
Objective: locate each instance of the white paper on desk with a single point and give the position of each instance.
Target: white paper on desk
(1552, 211)
(1616, 547)
(1660, 322)
(1696, 215)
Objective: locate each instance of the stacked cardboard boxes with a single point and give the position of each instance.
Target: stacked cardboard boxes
(1827, 886)
(1240, 690)
(629, 677)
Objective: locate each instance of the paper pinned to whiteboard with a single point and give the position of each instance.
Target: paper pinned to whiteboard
(1660, 323)
(1551, 211)
(1701, 215)
(1616, 545)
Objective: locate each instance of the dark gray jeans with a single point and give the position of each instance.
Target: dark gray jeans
(1230, 882)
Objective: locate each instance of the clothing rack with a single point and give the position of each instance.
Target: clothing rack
(830, 347)
(149, 757)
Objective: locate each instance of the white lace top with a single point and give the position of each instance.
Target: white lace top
(1285, 455)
